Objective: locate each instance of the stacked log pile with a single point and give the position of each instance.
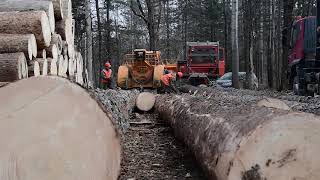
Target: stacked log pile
(244, 137)
(43, 31)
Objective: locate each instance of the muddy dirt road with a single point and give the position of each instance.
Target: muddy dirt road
(150, 152)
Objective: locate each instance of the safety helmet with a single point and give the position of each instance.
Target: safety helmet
(107, 65)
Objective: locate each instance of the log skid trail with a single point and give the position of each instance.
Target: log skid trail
(150, 151)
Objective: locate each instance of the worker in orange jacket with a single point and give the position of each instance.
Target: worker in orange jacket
(107, 76)
(179, 78)
(167, 83)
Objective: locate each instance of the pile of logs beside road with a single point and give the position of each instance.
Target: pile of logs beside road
(37, 38)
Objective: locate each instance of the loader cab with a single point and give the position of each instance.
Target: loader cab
(140, 54)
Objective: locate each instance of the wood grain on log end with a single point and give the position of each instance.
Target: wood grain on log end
(60, 132)
(13, 66)
(145, 101)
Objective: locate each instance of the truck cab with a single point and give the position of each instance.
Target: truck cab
(303, 65)
(203, 59)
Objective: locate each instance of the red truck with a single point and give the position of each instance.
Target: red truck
(204, 61)
(304, 64)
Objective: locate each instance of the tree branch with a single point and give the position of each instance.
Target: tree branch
(142, 15)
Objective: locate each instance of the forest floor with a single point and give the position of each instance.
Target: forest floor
(150, 152)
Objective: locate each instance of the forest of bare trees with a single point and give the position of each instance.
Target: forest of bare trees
(119, 26)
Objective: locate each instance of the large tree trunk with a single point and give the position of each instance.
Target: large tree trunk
(235, 44)
(12, 43)
(288, 6)
(99, 39)
(31, 22)
(30, 5)
(13, 67)
(236, 137)
(53, 135)
(89, 42)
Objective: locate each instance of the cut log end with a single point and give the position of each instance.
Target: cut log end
(46, 31)
(145, 101)
(31, 135)
(13, 67)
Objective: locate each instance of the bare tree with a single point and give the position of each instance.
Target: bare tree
(89, 43)
(150, 12)
(235, 44)
(99, 38)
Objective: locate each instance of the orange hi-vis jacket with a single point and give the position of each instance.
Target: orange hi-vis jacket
(166, 79)
(106, 75)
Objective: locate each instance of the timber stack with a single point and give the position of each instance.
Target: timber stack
(37, 39)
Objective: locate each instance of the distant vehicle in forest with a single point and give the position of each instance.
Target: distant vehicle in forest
(204, 60)
(304, 66)
(226, 80)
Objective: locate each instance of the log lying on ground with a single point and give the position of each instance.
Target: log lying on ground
(30, 5)
(31, 22)
(53, 135)
(13, 43)
(237, 138)
(120, 104)
(13, 67)
(145, 101)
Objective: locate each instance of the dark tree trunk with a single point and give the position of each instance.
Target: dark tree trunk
(99, 39)
(288, 6)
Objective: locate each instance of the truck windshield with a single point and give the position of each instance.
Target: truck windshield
(203, 55)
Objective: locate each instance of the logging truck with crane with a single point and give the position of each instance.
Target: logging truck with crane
(204, 61)
(304, 55)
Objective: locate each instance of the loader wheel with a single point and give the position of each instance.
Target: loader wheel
(157, 75)
(123, 77)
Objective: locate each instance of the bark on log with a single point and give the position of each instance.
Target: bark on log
(57, 7)
(30, 5)
(51, 52)
(53, 135)
(31, 22)
(42, 54)
(64, 28)
(236, 138)
(13, 43)
(64, 48)
(145, 101)
(13, 67)
(56, 39)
